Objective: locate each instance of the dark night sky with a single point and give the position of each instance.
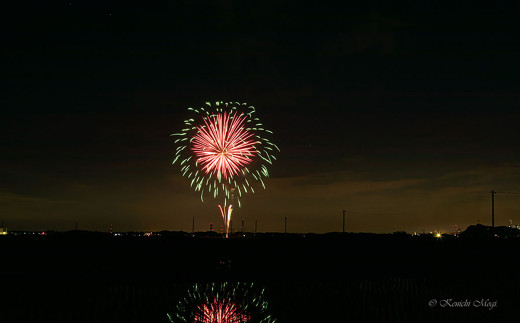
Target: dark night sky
(404, 114)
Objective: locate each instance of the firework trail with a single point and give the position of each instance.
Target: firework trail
(224, 150)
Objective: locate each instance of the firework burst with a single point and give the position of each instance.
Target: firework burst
(223, 146)
(222, 303)
(224, 150)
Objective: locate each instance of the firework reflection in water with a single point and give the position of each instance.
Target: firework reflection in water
(222, 303)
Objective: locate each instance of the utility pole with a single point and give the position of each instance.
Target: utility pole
(344, 220)
(285, 224)
(493, 208)
(193, 225)
(493, 193)
(242, 225)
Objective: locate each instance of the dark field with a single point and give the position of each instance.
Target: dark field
(317, 278)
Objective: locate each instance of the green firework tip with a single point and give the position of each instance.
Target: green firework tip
(263, 157)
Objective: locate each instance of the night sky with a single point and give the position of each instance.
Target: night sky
(406, 115)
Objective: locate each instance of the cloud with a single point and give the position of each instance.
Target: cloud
(377, 199)
(435, 201)
(8, 197)
(339, 184)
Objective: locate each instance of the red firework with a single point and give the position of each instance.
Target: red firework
(223, 146)
(219, 312)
